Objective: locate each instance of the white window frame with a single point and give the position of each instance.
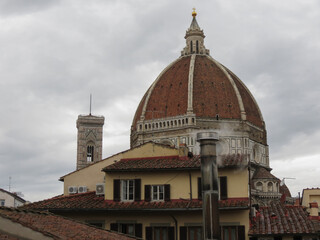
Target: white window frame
(157, 192)
(127, 190)
(2, 202)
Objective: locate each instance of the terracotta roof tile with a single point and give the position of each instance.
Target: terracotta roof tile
(284, 190)
(169, 97)
(173, 163)
(158, 144)
(251, 108)
(90, 201)
(57, 227)
(213, 93)
(278, 219)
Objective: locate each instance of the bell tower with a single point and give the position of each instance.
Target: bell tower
(89, 142)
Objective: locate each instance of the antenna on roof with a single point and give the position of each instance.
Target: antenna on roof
(283, 182)
(90, 103)
(9, 183)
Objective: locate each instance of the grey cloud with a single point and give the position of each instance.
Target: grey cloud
(17, 7)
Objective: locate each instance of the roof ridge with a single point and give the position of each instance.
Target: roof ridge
(150, 158)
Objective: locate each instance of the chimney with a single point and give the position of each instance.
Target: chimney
(314, 210)
(210, 186)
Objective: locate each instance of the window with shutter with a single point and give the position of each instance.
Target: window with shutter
(160, 233)
(134, 229)
(157, 192)
(232, 232)
(127, 190)
(191, 233)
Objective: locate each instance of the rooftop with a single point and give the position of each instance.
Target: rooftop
(173, 163)
(90, 201)
(49, 226)
(263, 173)
(13, 195)
(280, 219)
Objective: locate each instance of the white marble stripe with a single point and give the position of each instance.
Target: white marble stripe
(236, 90)
(190, 84)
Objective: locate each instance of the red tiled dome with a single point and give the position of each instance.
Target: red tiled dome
(206, 89)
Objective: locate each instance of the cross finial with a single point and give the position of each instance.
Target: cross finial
(194, 13)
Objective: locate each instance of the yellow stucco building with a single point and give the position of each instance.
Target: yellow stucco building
(154, 192)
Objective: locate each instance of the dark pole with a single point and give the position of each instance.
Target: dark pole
(210, 186)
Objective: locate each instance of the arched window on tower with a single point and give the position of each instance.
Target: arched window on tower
(191, 47)
(259, 186)
(90, 151)
(270, 187)
(197, 46)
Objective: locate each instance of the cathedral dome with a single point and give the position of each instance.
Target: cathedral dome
(197, 84)
(196, 93)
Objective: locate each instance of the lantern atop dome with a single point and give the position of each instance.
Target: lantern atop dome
(194, 38)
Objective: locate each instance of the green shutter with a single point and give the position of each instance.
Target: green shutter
(170, 233)
(147, 193)
(167, 192)
(223, 188)
(183, 233)
(137, 189)
(116, 190)
(148, 233)
(138, 230)
(199, 189)
(241, 233)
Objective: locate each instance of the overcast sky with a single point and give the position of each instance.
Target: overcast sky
(55, 53)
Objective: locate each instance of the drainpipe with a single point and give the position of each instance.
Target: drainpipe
(210, 186)
(176, 225)
(190, 183)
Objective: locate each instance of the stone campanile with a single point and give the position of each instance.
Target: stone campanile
(89, 143)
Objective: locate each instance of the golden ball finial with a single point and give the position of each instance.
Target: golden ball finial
(194, 13)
